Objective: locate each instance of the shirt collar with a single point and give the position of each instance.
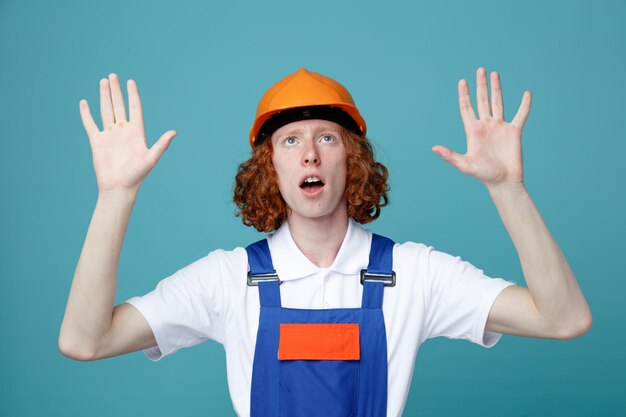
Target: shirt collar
(290, 263)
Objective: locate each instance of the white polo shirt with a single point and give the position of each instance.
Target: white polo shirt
(436, 294)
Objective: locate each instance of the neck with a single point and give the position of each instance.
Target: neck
(319, 239)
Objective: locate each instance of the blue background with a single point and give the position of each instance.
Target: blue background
(201, 68)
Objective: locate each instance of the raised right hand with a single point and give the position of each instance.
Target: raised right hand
(121, 157)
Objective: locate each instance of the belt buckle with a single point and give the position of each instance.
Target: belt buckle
(388, 279)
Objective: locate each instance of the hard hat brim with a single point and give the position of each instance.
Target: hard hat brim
(286, 116)
(358, 124)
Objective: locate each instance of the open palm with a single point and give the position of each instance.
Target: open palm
(121, 157)
(494, 147)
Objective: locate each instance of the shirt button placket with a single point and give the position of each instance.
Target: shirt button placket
(325, 302)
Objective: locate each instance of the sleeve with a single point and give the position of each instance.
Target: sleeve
(185, 308)
(460, 298)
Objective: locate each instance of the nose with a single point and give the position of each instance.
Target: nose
(310, 155)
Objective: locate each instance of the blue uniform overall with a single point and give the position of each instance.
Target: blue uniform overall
(327, 363)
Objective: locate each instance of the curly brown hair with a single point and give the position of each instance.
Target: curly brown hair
(261, 205)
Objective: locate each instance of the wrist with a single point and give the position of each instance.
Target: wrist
(118, 194)
(506, 187)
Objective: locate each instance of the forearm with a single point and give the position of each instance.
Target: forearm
(90, 304)
(550, 280)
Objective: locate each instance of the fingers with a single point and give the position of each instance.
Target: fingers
(134, 103)
(497, 106)
(453, 158)
(106, 106)
(119, 109)
(162, 144)
(524, 108)
(465, 104)
(482, 94)
(90, 126)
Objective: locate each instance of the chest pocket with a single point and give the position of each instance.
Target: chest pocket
(319, 366)
(319, 341)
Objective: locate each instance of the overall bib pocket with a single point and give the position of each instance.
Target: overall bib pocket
(319, 366)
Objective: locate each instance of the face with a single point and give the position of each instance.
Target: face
(310, 160)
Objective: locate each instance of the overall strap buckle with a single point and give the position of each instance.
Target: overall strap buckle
(380, 267)
(389, 280)
(260, 262)
(254, 279)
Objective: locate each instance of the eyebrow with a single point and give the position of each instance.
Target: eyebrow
(317, 130)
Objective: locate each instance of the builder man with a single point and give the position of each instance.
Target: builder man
(322, 317)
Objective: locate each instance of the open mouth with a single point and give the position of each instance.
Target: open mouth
(311, 184)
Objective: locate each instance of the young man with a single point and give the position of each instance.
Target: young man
(322, 317)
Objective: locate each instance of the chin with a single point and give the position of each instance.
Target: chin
(317, 214)
(312, 215)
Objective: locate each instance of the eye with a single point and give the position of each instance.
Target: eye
(327, 139)
(290, 140)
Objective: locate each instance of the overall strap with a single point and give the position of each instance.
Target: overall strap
(379, 272)
(263, 274)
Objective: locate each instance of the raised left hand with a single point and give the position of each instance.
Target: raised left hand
(494, 147)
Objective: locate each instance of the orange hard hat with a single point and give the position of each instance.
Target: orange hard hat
(305, 95)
